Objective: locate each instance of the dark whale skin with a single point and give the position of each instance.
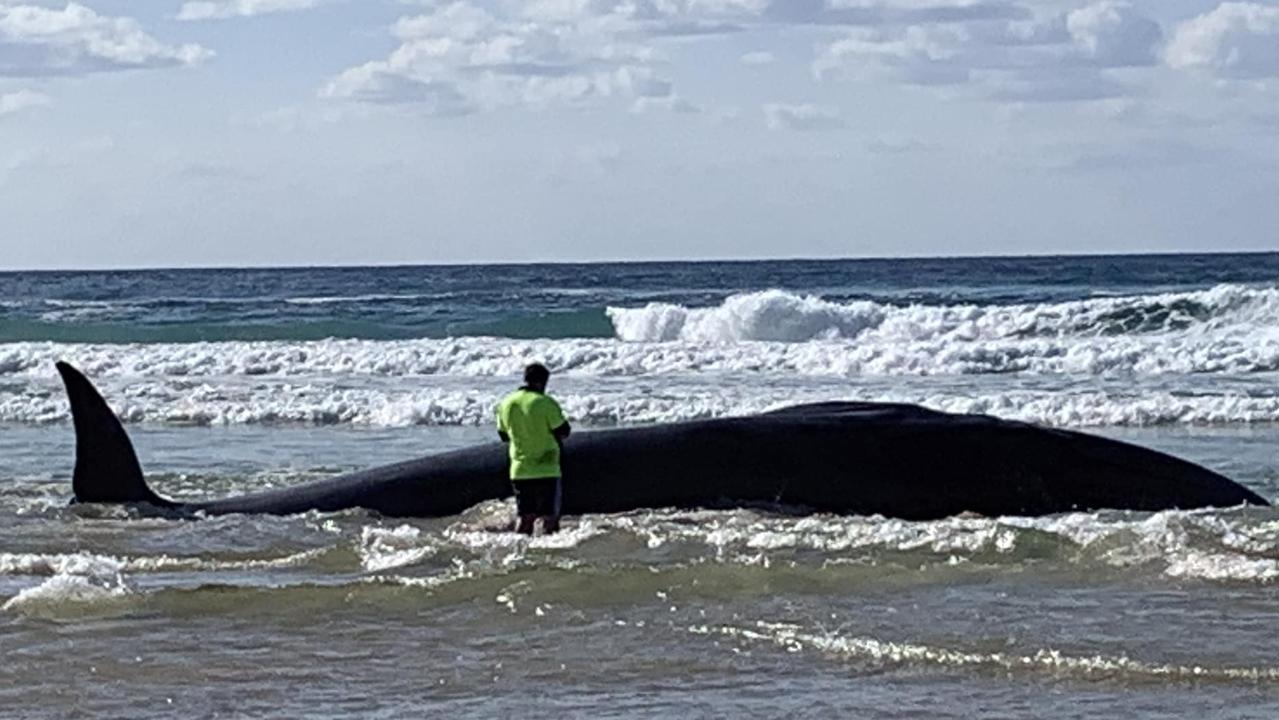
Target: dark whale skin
(900, 461)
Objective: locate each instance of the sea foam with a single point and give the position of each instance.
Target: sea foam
(777, 315)
(303, 401)
(795, 638)
(1139, 360)
(1229, 329)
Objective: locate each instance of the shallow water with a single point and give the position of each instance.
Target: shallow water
(236, 380)
(743, 613)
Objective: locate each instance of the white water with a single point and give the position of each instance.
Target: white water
(776, 315)
(886, 653)
(323, 401)
(1217, 546)
(1228, 329)
(1205, 357)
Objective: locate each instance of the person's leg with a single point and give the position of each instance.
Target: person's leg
(525, 507)
(551, 522)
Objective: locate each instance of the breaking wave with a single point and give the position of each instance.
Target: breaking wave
(1108, 358)
(1228, 329)
(773, 315)
(282, 401)
(779, 316)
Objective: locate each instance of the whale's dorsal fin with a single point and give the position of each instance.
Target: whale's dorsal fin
(106, 466)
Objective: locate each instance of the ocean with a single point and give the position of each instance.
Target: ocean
(233, 380)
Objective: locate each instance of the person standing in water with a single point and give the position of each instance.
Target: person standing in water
(533, 425)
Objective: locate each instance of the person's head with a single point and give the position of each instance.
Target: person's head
(536, 376)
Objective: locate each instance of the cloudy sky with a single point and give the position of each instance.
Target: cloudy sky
(253, 132)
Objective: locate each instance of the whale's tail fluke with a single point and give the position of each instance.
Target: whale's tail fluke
(106, 466)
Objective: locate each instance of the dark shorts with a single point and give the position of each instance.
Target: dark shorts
(539, 497)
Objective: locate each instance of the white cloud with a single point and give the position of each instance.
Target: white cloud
(459, 58)
(651, 17)
(378, 83)
(39, 41)
(1236, 40)
(220, 9)
(891, 12)
(805, 116)
(1052, 58)
(1113, 35)
(466, 55)
(700, 17)
(920, 55)
(458, 20)
(15, 102)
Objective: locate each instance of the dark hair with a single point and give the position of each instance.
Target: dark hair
(536, 374)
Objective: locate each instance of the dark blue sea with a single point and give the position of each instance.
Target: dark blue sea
(553, 301)
(231, 380)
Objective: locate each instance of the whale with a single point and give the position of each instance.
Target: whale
(852, 458)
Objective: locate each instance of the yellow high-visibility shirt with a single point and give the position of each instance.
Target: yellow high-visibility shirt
(528, 419)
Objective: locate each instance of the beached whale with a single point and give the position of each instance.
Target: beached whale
(846, 457)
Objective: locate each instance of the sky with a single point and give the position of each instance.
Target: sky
(162, 133)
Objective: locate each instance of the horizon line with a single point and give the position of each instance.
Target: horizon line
(647, 261)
